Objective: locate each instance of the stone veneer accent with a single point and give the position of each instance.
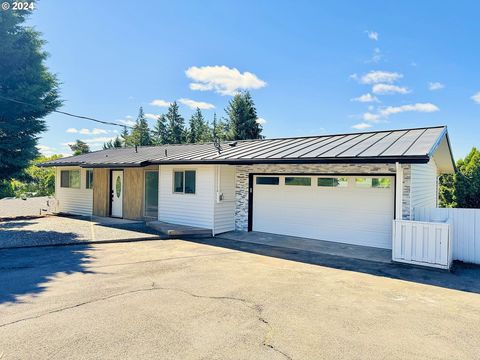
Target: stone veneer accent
(242, 172)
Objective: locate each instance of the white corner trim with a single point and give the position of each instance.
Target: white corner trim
(398, 191)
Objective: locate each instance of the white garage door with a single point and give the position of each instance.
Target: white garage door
(348, 209)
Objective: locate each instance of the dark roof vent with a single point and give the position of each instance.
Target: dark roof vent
(166, 153)
(233, 144)
(136, 149)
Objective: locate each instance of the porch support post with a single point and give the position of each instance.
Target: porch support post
(399, 192)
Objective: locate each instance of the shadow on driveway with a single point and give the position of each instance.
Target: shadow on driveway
(27, 271)
(463, 277)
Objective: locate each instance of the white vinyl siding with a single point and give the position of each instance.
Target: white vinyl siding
(423, 191)
(71, 200)
(187, 209)
(225, 209)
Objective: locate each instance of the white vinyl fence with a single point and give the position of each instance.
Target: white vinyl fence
(466, 230)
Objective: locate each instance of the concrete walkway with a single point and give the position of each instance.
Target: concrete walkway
(315, 246)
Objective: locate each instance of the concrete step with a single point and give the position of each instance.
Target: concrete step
(176, 230)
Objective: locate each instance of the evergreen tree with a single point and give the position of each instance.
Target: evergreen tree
(176, 133)
(113, 144)
(159, 132)
(23, 77)
(218, 130)
(199, 131)
(125, 135)
(242, 118)
(140, 132)
(79, 147)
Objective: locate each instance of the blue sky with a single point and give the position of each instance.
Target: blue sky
(311, 67)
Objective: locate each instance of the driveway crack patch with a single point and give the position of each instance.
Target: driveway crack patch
(256, 307)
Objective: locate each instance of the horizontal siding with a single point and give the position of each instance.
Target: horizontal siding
(74, 201)
(187, 209)
(424, 185)
(225, 210)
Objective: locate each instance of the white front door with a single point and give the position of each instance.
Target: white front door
(349, 209)
(117, 193)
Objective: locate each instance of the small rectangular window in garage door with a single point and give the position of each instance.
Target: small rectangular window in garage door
(332, 182)
(383, 183)
(298, 181)
(267, 180)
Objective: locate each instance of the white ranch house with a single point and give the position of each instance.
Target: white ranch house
(344, 188)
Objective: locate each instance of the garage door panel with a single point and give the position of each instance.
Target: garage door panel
(354, 215)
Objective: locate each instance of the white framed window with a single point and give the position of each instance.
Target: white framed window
(70, 179)
(184, 181)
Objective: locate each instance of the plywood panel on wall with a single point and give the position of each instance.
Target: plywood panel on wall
(100, 192)
(133, 193)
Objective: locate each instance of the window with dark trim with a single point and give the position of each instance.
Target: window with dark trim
(298, 181)
(70, 179)
(89, 179)
(267, 180)
(184, 182)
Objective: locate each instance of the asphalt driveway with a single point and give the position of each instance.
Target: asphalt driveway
(176, 299)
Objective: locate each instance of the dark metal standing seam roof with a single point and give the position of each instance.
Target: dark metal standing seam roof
(406, 145)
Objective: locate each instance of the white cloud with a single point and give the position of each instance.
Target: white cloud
(365, 98)
(372, 35)
(418, 107)
(368, 116)
(160, 103)
(84, 131)
(261, 121)
(375, 77)
(152, 116)
(128, 121)
(476, 97)
(362, 126)
(435, 86)
(376, 56)
(222, 79)
(46, 150)
(192, 104)
(387, 89)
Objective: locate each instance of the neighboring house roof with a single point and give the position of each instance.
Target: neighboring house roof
(406, 146)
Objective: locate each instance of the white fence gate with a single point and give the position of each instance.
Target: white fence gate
(466, 230)
(422, 243)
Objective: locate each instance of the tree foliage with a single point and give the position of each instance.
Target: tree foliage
(160, 132)
(462, 189)
(79, 147)
(199, 131)
(242, 118)
(23, 77)
(141, 133)
(176, 133)
(34, 181)
(113, 144)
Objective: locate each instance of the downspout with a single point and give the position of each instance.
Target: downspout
(398, 191)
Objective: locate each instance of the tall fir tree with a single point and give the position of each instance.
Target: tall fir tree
(113, 144)
(141, 132)
(159, 132)
(125, 137)
(218, 130)
(175, 125)
(242, 118)
(199, 131)
(23, 77)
